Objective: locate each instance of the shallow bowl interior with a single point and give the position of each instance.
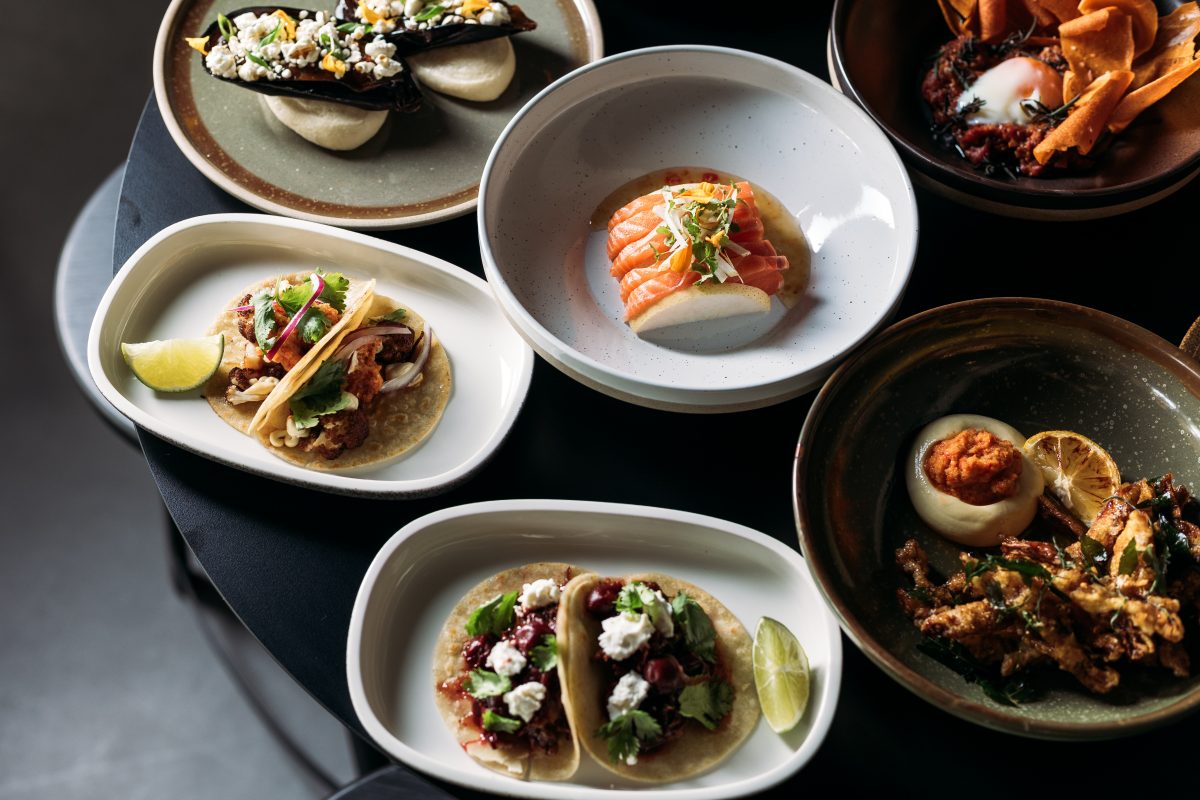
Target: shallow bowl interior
(880, 50)
(735, 112)
(1037, 365)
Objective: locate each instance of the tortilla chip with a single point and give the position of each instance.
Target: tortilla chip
(1142, 13)
(697, 750)
(1049, 13)
(241, 416)
(1087, 119)
(1140, 99)
(1174, 46)
(398, 422)
(959, 14)
(1094, 44)
(448, 666)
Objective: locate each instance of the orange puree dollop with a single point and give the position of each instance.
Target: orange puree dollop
(975, 466)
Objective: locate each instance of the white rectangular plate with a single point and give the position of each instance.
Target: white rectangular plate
(178, 282)
(425, 569)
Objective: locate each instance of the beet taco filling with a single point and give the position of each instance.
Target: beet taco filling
(511, 676)
(662, 669)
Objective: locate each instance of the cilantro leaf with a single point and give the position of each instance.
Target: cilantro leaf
(293, 298)
(1093, 552)
(264, 318)
(949, 653)
(482, 683)
(313, 326)
(636, 598)
(707, 703)
(498, 722)
(494, 616)
(395, 316)
(321, 395)
(698, 632)
(334, 292)
(545, 655)
(627, 733)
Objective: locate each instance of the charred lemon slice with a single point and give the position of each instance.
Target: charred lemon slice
(1078, 471)
(780, 674)
(175, 365)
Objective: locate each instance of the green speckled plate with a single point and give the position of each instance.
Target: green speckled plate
(1038, 365)
(421, 168)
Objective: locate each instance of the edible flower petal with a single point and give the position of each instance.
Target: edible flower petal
(334, 65)
(289, 25)
(198, 43)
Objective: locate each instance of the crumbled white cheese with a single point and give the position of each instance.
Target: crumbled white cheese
(505, 659)
(386, 67)
(627, 695)
(525, 700)
(220, 62)
(249, 71)
(245, 22)
(411, 7)
(624, 634)
(379, 47)
(539, 594)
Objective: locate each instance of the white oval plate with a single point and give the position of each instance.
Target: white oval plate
(176, 284)
(733, 111)
(423, 571)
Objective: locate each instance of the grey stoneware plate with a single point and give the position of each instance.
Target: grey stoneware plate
(1037, 365)
(880, 49)
(419, 169)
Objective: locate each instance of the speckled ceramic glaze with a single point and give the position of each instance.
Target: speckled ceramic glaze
(732, 111)
(420, 168)
(879, 51)
(1036, 365)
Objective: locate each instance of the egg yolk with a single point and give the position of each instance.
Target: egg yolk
(1004, 87)
(975, 466)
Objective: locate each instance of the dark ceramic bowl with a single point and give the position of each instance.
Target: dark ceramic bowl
(1038, 365)
(880, 49)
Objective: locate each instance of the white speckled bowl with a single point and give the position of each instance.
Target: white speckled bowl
(733, 111)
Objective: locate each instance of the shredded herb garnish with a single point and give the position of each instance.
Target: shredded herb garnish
(951, 654)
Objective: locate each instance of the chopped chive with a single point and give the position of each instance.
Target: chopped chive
(226, 27)
(429, 13)
(258, 60)
(349, 27)
(270, 37)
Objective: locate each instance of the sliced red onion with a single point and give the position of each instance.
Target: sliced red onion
(349, 347)
(243, 308)
(294, 322)
(404, 380)
(352, 343)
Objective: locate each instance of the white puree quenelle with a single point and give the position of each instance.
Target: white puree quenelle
(971, 525)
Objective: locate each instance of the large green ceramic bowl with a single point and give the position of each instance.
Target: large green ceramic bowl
(1037, 365)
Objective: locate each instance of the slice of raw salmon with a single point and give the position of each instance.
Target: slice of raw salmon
(655, 289)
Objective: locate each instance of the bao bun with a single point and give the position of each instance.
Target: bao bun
(702, 302)
(479, 71)
(334, 126)
(970, 525)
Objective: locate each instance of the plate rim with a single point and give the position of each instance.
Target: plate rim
(337, 483)
(763, 393)
(594, 43)
(992, 717)
(826, 702)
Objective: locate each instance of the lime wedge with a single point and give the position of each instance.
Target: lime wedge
(175, 365)
(780, 675)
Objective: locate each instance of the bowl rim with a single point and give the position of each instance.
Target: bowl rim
(994, 717)
(545, 341)
(943, 170)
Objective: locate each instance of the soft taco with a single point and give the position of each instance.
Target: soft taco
(658, 678)
(274, 329)
(496, 678)
(372, 394)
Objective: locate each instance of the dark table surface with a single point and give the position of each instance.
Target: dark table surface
(292, 578)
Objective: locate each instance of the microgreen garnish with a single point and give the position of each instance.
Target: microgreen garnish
(637, 597)
(627, 733)
(482, 684)
(1038, 111)
(494, 616)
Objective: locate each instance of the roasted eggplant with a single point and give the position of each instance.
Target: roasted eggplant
(290, 52)
(435, 24)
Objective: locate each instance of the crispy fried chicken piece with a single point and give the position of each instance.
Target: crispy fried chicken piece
(957, 622)
(1140, 535)
(1030, 550)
